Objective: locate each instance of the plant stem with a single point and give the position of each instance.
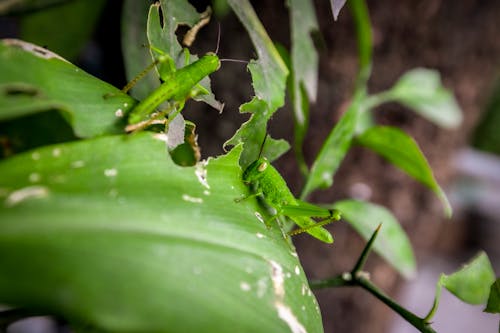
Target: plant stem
(410, 317)
(349, 280)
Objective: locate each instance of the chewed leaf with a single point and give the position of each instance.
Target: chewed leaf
(269, 79)
(493, 305)
(471, 283)
(392, 242)
(122, 224)
(162, 35)
(32, 80)
(402, 151)
(421, 90)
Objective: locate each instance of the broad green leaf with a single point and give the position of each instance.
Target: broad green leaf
(392, 242)
(493, 305)
(20, 6)
(304, 61)
(402, 151)
(35, 80)
(111, 235)
(76, 19)
(421, 90)
(336, 7)
(269, 80)
(334, 149)
(472, 283)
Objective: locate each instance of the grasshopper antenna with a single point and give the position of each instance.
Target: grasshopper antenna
(218, 38)
(217, 50)
(233, 60)
(262, 146)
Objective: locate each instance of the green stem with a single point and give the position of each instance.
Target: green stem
(349, 280)
(357, 278)
(437, 297)
(410, 317)
(366, 251)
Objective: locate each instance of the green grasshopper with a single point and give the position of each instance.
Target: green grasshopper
(267, 183)
(177, 87)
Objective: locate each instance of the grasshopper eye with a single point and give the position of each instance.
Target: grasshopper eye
(262, 166)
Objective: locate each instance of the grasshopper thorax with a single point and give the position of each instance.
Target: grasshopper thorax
(255, 170)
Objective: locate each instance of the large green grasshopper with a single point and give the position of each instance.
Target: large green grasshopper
(267, 183)
(177, 87)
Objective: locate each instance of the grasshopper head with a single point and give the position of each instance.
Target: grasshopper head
(212, 60)
(255, 170)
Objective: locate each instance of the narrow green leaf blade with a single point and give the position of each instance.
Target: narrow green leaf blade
(392, 243)
(269, 81)
(334, 149)
(35, 80)
(304, 69)
(472, 283)
(121, 239)
(402, 151)
(493, 305)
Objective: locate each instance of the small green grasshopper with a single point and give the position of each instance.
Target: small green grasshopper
(177, 87)
(267, 183)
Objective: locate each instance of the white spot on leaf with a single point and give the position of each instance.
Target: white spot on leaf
(201, 172)
(162, 137)
(326, 177)
(77, 164)
(278, 279)
(245, 286)
(304, 289)
(35, 156)
(35, 177)
(261, 287)
(259, 217)
(297, 270)
(259, 235)
(188, 198)
(286, 314)
(119, 113)
(56, 152)
(110, 172)
(30, 192)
